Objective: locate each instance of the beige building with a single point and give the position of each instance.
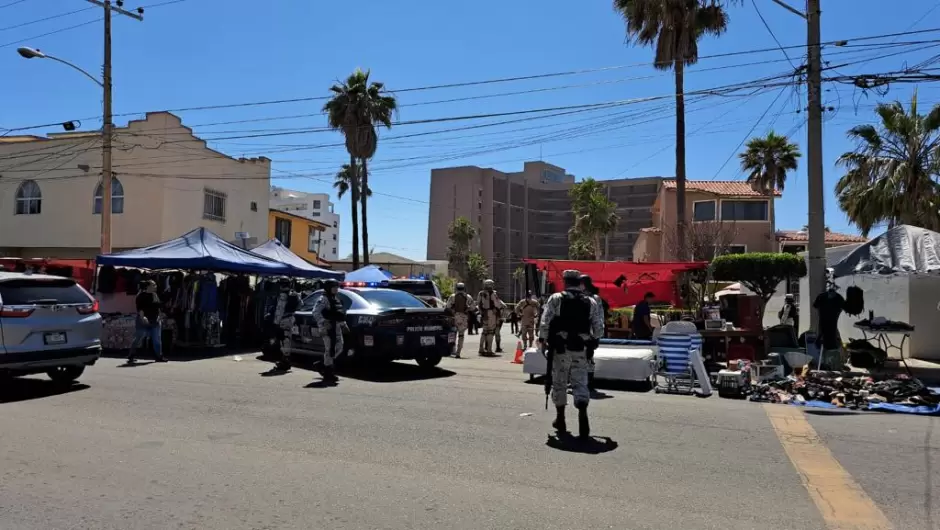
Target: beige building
(527, 214)
(166, 182)
(729, 214)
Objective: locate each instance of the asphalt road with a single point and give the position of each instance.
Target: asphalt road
(211, 444)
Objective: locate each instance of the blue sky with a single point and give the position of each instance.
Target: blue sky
(195, 53)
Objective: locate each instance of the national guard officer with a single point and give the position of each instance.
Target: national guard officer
(330, 317)
(571, 324)
(490, 306)
(462, 305)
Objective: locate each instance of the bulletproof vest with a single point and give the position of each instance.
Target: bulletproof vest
(574, 318)
(460, 303)
(292, 304)
(334, 311)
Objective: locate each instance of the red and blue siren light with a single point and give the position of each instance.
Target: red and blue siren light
(365, 284)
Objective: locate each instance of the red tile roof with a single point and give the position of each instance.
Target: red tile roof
(831, 237)
(726, 188)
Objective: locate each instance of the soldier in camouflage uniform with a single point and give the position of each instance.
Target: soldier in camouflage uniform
(330, 317)
(571, 323)
(462, 305)
(490, 307)
(528, 310)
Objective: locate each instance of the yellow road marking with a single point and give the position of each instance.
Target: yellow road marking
(843, 504)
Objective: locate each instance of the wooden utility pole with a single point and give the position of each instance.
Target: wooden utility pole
(108, 127)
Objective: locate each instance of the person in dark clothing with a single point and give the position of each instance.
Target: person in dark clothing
(641, 324)
(514, 323)
(148, 321)
(829, 305)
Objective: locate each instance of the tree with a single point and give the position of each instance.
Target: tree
(705, 240)
(767, 160)
(477, 271)
(595, 216)
(759, 271)
(446, 284)
(461, 234)
(673, 28)
(355, 109)
(891, 176)
(344, 179)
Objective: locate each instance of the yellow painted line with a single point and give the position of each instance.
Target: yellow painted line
(843, 504)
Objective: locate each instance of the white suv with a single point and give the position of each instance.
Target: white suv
(47, 324)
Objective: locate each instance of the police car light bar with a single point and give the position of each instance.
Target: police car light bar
(364, 284)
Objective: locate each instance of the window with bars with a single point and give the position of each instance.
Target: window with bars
(213, 205)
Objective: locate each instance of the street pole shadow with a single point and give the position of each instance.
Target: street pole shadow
(593, 445)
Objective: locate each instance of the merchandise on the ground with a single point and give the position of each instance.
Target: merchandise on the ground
(854, 392)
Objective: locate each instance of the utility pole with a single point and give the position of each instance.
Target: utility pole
(108, 127)
(814, 169)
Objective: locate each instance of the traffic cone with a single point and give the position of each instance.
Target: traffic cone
(518, 358)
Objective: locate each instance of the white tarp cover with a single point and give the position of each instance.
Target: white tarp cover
(902, 249)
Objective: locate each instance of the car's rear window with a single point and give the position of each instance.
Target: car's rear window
(387, 299)
(29, 291)
(415, 288)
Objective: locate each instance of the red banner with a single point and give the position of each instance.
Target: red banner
(623, 283)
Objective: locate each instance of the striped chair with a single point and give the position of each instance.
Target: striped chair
(675, 365)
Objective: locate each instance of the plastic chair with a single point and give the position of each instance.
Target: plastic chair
(675, 366)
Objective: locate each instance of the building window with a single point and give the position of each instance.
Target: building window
(334, 237)
(736, 249)
(793, 249)
(282, 231)
(743, 210)
(117, 197)
(254, 206)
(335, 224)
(703, 211)
(316, 205)
(313, 240)
(28, 198)
(213, 205)
(334, 252)
(314, 214)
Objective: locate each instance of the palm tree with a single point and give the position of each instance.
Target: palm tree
(891, 175)
(343, 180)
(597, 218)
(673, 28)
(355, 109)
(767, 160)
(461, 234)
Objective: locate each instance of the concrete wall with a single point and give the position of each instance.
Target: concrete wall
(164, 171)
(314, 206)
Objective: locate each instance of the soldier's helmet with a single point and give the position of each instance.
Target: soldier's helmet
(330, 284)
(460, 286)
(489, 284)
(571, 278)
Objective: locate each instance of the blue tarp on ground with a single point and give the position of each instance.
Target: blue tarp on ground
(368, 274)
(276, 250)
(199, 249)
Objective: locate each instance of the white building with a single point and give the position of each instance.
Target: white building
(166, 183)
(316, 206)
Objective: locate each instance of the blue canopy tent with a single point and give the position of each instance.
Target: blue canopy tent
(368, 274)
(199, 249)
(276, 250)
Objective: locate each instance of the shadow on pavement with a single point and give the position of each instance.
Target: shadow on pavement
(182, 354)
(827, 412)
(395, 372)
(594, 445)
(24, 389)
(604, 384)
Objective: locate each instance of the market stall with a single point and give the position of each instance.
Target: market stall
(209, 289)
(274, 249)
(368, 275)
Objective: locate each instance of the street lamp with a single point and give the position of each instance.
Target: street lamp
(106, 175)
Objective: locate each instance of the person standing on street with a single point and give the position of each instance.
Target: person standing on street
(501, 318)
(488, 304)
(590, 290)
(283, 325)
(641, 324)
(528, 311)
(147, 323)
(462, 305)
(330, 317)
(571, 324)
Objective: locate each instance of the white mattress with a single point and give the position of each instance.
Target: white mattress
(621, 362)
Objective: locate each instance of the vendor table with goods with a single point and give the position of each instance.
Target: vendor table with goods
(881, 335)
(725, 335)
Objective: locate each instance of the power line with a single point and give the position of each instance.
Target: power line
(54, 32)
(11, 4)
(766, 25)
(748, 135)
(38, 21)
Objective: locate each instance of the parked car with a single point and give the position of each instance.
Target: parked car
(47, 324)
(426, 290)
(384, 325)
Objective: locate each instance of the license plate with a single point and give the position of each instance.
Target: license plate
(427, 341)
(53, 338)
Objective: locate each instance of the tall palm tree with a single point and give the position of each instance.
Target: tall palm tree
(891, 176)
(767, 160)
(673, 28)
(355, 109)
(461, 234)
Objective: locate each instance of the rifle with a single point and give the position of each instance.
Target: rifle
(549, 355)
